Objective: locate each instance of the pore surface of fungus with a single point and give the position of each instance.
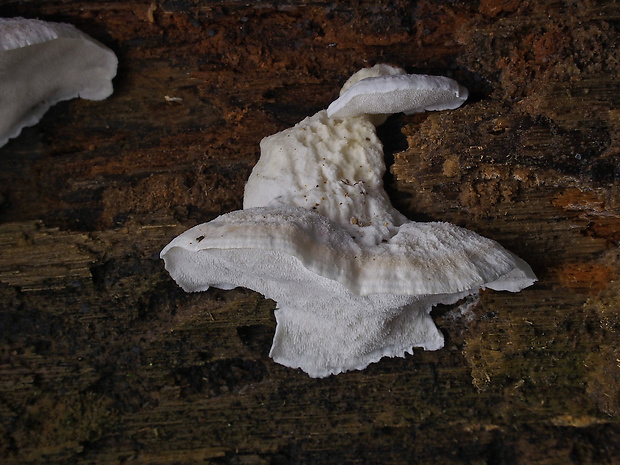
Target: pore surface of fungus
(42, 63)
(354, 279)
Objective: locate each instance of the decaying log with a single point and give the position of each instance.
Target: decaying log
(103, 359)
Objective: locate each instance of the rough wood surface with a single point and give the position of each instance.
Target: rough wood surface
(103, 359)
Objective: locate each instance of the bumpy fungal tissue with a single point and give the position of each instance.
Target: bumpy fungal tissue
(354, 279)
(43, 63)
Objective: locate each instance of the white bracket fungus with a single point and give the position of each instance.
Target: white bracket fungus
(354, 279)
(410, 93)
(43, 63)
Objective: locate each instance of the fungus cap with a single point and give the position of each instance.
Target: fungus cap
(388, 94)
(341, 305)
(354, 280)
(42, 63)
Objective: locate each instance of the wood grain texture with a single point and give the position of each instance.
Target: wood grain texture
(103, 359)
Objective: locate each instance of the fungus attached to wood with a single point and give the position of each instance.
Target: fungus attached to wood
(410, 93)
(354, 279)
(42, 63)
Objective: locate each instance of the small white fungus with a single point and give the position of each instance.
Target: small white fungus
(354, 279)
(42, 63)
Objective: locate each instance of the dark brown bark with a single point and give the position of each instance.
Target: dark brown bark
(103, 359)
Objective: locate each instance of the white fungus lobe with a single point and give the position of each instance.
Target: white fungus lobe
(354, 279)
(385, 95)
(43, 63)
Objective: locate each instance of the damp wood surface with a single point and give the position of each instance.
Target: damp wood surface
(103, 359)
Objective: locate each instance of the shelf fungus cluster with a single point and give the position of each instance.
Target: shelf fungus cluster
(43, 63)
(354, 279)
